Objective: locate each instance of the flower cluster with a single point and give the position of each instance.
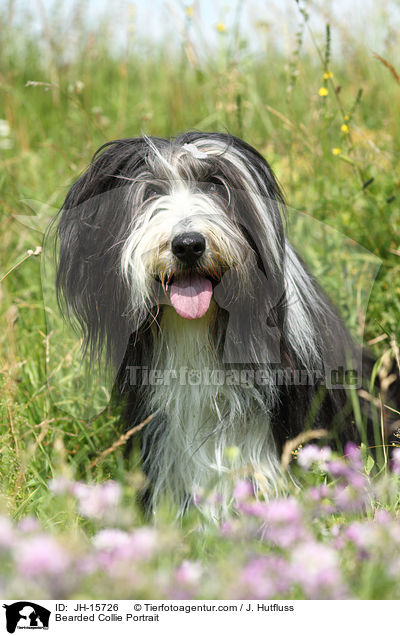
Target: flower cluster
(334, 539)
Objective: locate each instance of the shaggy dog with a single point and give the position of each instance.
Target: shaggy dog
(174, 261)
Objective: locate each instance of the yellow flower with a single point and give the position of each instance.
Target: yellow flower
(323, 92)
(347, 117)
(221, 27)
(189, 10)
(327, 75)
(346, 218)
(344, 128)
(232, 453)
(336, 151)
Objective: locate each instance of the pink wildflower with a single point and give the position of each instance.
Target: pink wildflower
(264, 577)
(41, 555)
(97, 501)
(312, 454)
(188, 573)
(243, 490)
(284, 524)
(315, 567)
(396, 461)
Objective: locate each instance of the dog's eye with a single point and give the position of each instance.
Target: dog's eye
(216, 187)
(212, 186)
(153, 191)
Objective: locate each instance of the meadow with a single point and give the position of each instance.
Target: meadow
(328, 124)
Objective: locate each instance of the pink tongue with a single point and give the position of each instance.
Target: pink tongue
(191, 296)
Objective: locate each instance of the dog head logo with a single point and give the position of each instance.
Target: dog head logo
(26, 615)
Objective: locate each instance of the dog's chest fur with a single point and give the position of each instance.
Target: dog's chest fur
(202, 413)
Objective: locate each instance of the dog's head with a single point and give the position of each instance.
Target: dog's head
(172, 221)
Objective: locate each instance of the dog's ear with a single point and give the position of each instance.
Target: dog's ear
(259, 169)
(93, 223)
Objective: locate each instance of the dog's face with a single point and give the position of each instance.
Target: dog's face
(198, 212)
(156, 221)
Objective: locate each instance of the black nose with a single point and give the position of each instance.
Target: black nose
(188, 247)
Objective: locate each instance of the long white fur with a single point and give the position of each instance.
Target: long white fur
(204, 421)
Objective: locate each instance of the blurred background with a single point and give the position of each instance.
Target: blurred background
(314, 86)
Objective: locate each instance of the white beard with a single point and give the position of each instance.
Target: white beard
(202, 420)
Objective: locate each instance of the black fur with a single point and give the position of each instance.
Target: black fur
(94, 224)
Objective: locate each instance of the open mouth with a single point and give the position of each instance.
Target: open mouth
(190, 293)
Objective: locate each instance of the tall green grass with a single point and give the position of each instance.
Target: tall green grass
(62, 102)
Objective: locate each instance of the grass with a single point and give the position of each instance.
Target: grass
(60, 103)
